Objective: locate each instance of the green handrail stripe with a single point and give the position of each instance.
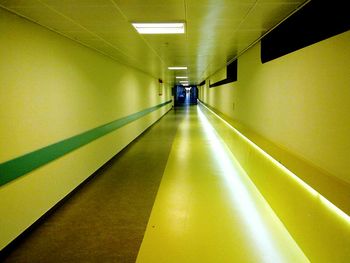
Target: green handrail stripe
(21, 165)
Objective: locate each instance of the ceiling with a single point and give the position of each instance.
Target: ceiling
(216, 30)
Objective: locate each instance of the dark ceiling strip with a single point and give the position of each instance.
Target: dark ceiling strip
(316, 21)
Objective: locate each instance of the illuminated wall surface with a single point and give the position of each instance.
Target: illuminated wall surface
(296, 107)
(321, 229)
(300, 103)
(51, 89)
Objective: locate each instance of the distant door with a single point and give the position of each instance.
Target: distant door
(185, 95)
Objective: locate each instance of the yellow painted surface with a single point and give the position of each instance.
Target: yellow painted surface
(52, 88)
(208, 210)
(320, 229)
(299, 101)
(220, 75)
(334, 189)
(296, 108)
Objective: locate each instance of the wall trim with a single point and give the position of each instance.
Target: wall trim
(12, 169)
(12, 245)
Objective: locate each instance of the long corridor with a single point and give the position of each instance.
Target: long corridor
(174, 131)
(205, 210)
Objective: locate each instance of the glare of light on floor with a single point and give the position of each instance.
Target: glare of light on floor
(333, 208)
(241, 197)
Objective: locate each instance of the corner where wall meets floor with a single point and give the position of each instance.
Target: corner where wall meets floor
(51, 89)
(296, 108)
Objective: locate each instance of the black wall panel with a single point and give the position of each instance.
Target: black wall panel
(231, 75)
(316, 21)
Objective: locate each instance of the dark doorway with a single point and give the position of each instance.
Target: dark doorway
(185, 95)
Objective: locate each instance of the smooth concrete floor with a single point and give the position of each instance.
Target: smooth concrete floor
(205, 210)
(105, 220)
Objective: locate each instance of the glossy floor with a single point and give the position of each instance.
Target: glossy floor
(207, 209)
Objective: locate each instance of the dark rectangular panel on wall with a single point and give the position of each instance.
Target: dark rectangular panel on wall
(316, 21)
(231, 72)
(231, 75)
(202, 83)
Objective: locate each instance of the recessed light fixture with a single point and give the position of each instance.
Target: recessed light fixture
(183, 81)
(185, 84)
(177, 68)
(160, 28)
(181, 77)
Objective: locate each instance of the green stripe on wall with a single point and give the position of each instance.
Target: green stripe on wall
(19, 166)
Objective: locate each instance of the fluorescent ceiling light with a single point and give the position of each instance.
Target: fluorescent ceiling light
(184, 84)
(160, 28)
(181, 77)
(176, 68)
(183, 81)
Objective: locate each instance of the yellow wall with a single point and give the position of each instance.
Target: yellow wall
(299, 101)
(52, 88)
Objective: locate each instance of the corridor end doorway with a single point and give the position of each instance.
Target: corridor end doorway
(185, 95)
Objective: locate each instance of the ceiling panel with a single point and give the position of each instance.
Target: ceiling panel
(104, 20)
(275, 12)
(216, 30)
(152, 10)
